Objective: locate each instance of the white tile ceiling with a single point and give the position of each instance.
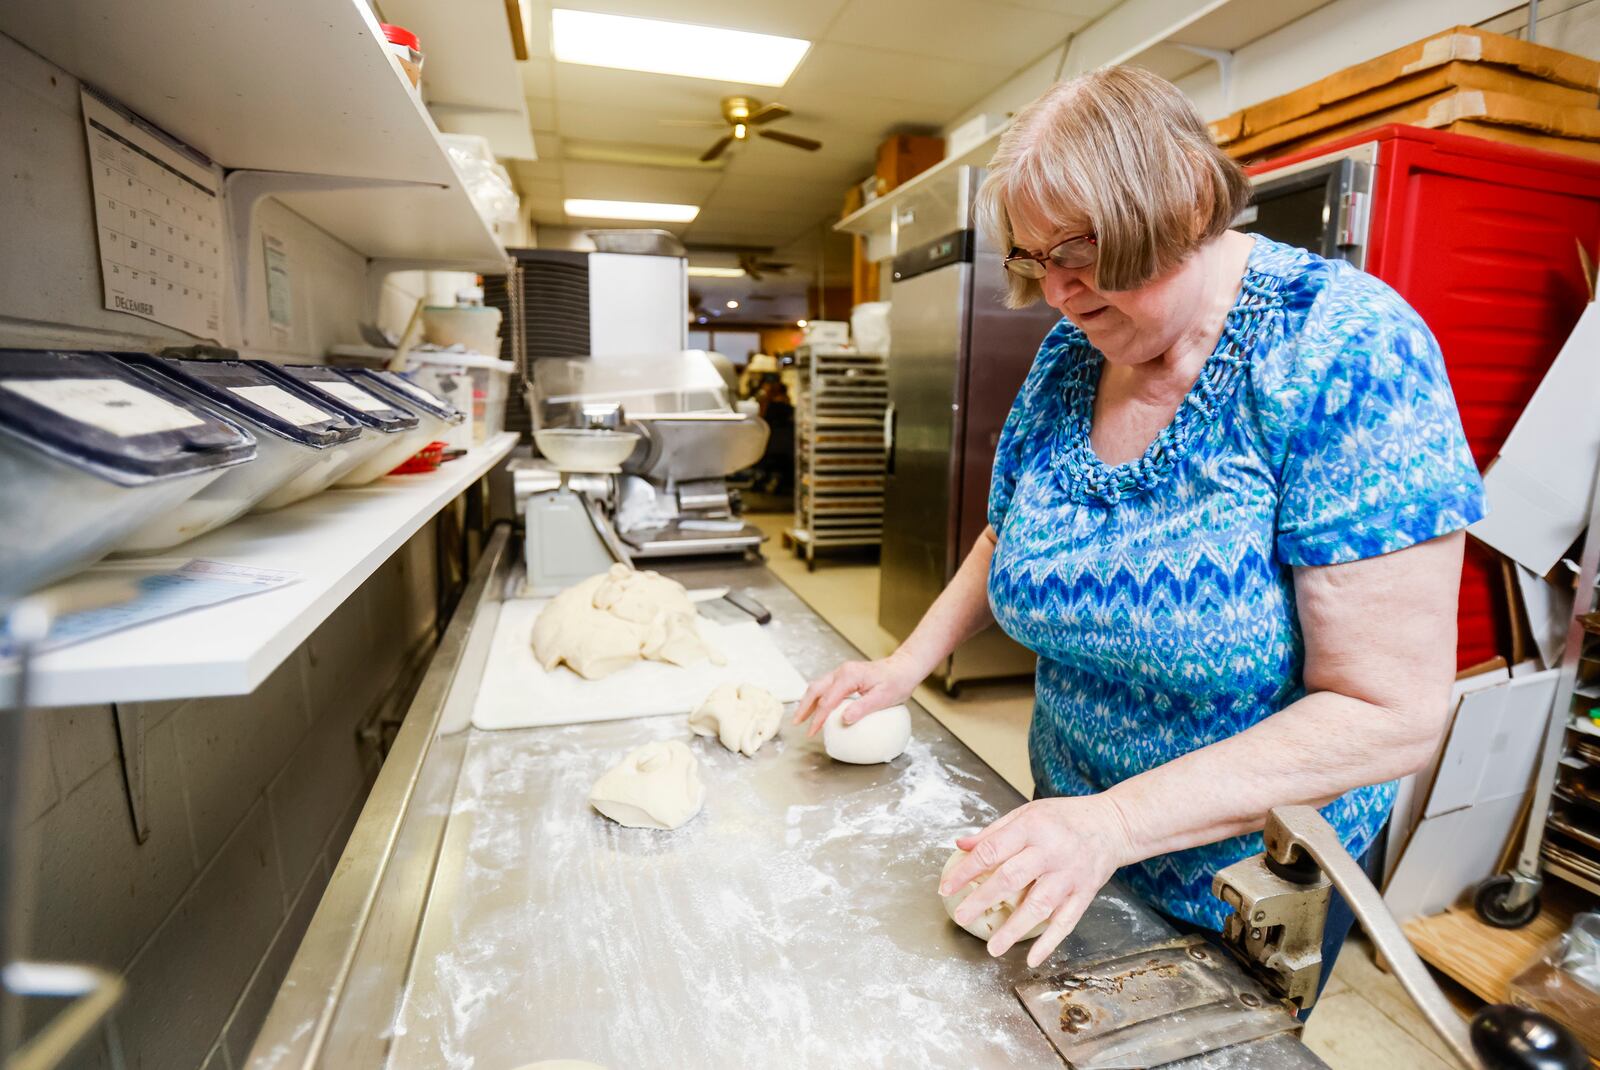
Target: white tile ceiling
(876, 67)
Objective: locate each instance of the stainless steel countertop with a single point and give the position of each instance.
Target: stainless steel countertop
(794, 922)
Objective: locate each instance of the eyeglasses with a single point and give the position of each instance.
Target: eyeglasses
(1077, 252)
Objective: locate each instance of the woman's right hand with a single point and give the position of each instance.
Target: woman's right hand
(877, 684)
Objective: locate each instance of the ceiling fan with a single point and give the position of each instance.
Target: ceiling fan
(741, 114)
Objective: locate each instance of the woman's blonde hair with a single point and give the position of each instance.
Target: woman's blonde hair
(1123, 150)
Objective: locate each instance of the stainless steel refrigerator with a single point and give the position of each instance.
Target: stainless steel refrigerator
(957, 356)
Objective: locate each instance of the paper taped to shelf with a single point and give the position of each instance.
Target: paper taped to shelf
(1538, 487)
(517, 692)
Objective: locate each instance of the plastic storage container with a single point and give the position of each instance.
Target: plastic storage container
(446, 377)
(230, 496)
(433, 412)
(406, 49)
(473, 327)
(89, 452)
(401, 431)
(269, 406)
(491, 385)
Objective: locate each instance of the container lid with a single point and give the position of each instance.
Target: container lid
(334, 390)
(284, 408)
(460, 358)
(89, 411)
(399, 388)
(399, 35)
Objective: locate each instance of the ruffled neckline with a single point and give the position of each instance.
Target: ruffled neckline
(1084, 476)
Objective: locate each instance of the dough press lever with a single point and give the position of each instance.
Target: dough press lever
(1187, 996)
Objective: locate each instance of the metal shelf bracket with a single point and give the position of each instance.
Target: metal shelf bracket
(1224, 61)
(244, 188)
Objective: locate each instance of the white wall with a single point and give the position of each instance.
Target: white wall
(1327, 40)
(1333, 37)
(249, 799)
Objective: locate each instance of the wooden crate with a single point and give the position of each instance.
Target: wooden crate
(903, 157)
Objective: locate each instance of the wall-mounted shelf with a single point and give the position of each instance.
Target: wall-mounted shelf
(295, 86)
(471, 81)
(876, 217)
(334, 540)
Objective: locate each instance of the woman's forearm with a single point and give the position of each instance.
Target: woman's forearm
(960, 612)
(1310, 752)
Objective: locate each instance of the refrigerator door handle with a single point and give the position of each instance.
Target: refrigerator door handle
(888, 439)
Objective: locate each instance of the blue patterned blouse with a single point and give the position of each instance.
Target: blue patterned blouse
(1159, 594)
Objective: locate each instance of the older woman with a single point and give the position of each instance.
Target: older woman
(1226, 512)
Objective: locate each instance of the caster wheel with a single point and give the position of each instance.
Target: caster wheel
(1490, 900)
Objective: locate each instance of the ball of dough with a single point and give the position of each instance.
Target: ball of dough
(741, 716)
(877, 737)
(988, 923)
(657, 786)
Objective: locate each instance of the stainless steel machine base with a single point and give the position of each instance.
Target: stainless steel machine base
(1151, 1006)
(687, 537)
(563, 543)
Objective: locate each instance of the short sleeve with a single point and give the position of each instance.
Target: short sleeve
(1011, 451)
(1358, 412)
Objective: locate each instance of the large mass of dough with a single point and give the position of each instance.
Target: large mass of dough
(609, 621)
(742, 716)
(657, 786)
(988, 923)
(878, 737)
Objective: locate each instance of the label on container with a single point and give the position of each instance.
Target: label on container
(414, 390)
(114, 405)
(279, 402)
(352, 395)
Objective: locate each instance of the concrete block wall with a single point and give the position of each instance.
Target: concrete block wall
(249, 800)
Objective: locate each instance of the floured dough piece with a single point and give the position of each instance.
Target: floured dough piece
(609, 621)
(741, 716)
(657, 786)
(988, 923)
(880, 736)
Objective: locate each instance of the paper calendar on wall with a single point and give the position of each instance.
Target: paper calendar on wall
(159, 216)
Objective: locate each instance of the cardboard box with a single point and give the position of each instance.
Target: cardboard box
(1459, 45)
(1539, 485)
(1484, 771)
(1399, 101)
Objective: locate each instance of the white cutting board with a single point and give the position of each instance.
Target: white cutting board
(516, 692)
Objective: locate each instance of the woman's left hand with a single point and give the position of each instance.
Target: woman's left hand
(1066, 848)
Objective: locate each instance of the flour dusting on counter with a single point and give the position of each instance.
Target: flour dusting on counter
(793, 923)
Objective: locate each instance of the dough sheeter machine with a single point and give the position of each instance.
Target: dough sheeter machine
(484, 916)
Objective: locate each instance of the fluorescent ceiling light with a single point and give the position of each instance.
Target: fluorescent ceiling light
(700, 272)
(639, 210)
(678, 48)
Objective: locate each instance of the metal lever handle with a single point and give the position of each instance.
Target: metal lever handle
(1501, 1038)
(888, 438)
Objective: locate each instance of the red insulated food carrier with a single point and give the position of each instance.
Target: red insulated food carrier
(1482, 239)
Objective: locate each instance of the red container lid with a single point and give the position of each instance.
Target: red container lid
(399, 35)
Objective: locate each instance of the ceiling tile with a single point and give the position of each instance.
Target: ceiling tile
(843, 158)
(614, 182)
(990, 33)
(592, 122)
(542, 113)
(858, 113)
(538, 77)
(1083, 9)
(853, 69)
